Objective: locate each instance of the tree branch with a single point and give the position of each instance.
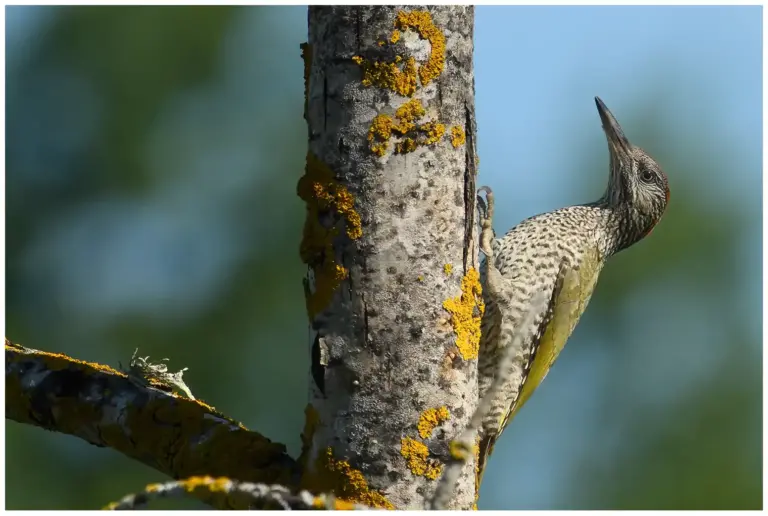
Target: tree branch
(175, 435)
(233, 494)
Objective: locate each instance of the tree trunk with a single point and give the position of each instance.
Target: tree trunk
(393, 294)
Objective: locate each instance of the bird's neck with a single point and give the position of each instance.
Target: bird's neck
(619, 226)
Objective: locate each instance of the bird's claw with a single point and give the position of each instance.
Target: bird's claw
(486, 221)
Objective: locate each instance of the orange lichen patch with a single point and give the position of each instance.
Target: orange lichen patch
(389, 75)
(337, 505)
(381, 131)
(417, 457)
(458, 138)
(346, 483)
(221, 484)
(306, 55)
(379, 148)
(466, 313)
(384, 127)
(408, 113)
(448, 269)
(323, 194)
(430, 419)
(434, 131)
(421, 22)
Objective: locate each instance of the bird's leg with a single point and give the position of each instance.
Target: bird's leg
(486, 221)
(493, 280)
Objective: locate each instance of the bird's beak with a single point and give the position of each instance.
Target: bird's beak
(617, 142)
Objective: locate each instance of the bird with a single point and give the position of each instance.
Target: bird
(558, 256)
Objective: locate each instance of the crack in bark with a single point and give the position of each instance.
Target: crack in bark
(470, 173)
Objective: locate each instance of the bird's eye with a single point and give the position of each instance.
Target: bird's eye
(646, 175)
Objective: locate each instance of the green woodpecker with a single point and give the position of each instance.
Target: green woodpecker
(560, 253)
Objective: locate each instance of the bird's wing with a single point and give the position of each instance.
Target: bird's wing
(570, 297)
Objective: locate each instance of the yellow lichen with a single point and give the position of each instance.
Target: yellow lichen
(322, 193)
(210, 483)
(379, 134)
(346, 483)
(408, 113)
(406, 146)
(466, 312)
(434, 132)
(457, 136)
(404, 82)
(421, 21)
(383, 127)
(430, 419)
(336, 505)
(417, 457)
(379, 148)
(420, 278)
(389, 75)
(448, 269)
(59, 361)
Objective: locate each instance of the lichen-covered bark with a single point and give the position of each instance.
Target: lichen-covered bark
(177, 436)
(392, 292)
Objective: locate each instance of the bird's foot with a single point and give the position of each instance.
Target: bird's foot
(486, 221)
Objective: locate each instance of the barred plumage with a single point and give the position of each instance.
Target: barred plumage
(561, 253)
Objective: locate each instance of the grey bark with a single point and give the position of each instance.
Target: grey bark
(384, 348)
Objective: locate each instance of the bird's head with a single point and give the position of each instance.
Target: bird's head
(637, 186)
